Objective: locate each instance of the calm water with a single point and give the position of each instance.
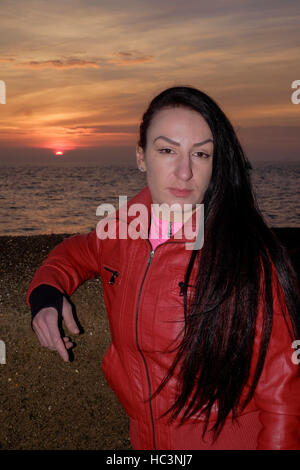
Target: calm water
(43, 200)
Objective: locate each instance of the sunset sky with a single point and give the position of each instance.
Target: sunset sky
(80, 73)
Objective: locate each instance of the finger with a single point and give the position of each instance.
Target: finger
(60, 347)
(55, 337)
(46, 332)
(40, 322)
(68, 317)
(68, 343)
(46, 323)
(40, 334)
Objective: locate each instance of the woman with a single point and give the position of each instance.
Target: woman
(201, 354)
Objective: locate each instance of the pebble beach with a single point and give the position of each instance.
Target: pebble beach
(45, 403)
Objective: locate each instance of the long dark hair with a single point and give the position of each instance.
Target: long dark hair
(234, 272)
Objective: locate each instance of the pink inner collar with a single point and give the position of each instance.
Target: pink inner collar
(161, 230)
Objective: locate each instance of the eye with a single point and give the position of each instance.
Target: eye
(202, 154)
(165, 150)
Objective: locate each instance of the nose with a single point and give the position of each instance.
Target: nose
(183, 169)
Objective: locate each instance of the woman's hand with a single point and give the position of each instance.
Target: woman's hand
(45, 325)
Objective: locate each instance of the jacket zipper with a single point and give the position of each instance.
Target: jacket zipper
(137, 338)
(139, 348)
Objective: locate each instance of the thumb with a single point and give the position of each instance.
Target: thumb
(68, 317)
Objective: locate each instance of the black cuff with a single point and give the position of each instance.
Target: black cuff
(45, 296)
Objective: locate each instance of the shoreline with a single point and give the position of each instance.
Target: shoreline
(288, 236)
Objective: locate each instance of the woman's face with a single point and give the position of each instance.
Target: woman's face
(178, 157)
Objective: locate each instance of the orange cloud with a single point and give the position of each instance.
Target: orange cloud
(130, 57)
(58, 64)
(103, 129)
(7, 59)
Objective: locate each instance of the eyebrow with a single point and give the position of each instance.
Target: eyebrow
(176, 143)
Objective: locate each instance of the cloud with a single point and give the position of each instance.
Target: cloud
(103, 129)
(130, 57)
(7, 59)
(58, 64)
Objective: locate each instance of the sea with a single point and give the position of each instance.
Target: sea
(38, 200)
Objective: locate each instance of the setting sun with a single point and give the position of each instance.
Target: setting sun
(59, 152)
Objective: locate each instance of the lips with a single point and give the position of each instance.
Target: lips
(180, 192)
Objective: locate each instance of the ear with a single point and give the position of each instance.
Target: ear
(140, 158)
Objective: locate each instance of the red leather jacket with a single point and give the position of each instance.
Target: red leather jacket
(143, 301)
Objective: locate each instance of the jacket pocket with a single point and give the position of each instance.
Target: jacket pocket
(112, 278)
(111, 275)
(177, 290)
